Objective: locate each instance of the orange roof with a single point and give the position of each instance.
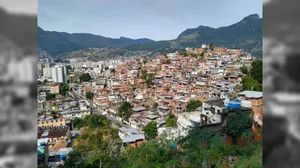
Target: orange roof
(59, 144)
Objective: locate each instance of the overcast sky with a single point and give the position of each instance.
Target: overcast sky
(154, 19)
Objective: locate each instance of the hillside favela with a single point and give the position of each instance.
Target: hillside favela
(195, 101)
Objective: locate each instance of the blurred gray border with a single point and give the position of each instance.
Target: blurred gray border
(18, 89)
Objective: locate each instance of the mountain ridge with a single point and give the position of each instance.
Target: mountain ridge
(56, 43)
(245, 34)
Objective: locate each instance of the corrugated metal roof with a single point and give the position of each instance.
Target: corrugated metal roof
(252, 94)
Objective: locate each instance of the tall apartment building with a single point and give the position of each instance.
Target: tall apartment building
(59, 73)
(73, 62)
(47, 72)
(40, 67)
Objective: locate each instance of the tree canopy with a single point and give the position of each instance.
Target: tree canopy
(256, 70)
(244, 70)
(124, 110)
(193, 105)
(89, 95)
(50, 96)
(101, 147)
(171, 121)
(91, 121)
(239, 124)
(150, 130)
(155, 105)
(251, 84)
(85, 77)
(64, 89)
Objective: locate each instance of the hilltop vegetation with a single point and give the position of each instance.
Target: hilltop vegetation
(246, 34)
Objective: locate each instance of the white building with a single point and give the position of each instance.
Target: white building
(73, 62)
(59, 73)
(204, 46)
(188, 120)
(47, 72)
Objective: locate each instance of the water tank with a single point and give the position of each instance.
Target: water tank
(234, 104)
(63, 156)
(173, 145)
(246, 104)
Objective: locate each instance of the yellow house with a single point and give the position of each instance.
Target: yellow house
(52, 123)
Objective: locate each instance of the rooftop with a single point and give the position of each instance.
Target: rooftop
(252, 94)
(42, 141)
(137, 109)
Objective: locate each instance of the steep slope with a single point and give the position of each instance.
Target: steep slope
(56, 43)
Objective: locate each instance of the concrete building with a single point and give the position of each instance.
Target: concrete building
(52, 123)
(47, 72)
(256, 99)
(59, 73)
(54, 88)
(73, 62)
(131, 136)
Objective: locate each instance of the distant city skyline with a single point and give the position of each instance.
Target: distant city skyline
(153, 19)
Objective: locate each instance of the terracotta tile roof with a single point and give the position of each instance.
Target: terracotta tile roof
(59, 144)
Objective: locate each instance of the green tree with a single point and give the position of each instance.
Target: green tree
(155, 105)
(75, 159)
(253, 157)
(90, 121)
(238, 124)
(185, 53)
(193, 55)
(64, 89)
(144, 74)
(54, 114)
(193, 105)
(50, 96)
(249, 83)
(201, 57)
(211, 46)
(85, 77)
(133, 88)
(148, 77)
(89, 95)
(170, 122)
(124, 110)
(244, 70)
(100, 147)
(150, 130)
(113, 70)
(156, 154)
(256, 70)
